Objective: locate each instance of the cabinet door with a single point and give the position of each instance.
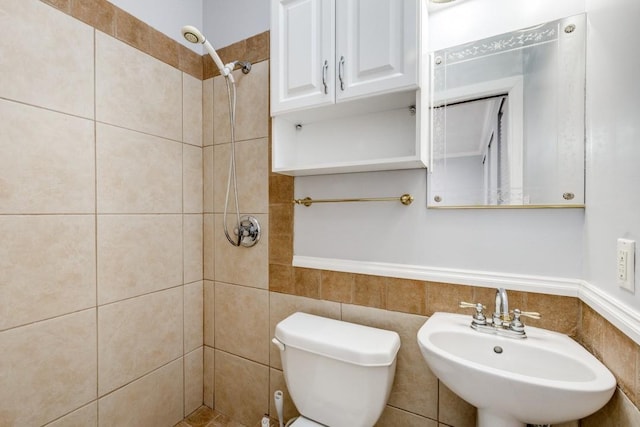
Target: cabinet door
(376, 46)
(302, 54)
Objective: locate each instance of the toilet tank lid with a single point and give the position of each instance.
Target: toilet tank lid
(348, 342)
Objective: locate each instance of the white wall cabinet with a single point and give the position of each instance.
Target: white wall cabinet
(346, 85)
(302, 49)
(323, 51)
(376, 47)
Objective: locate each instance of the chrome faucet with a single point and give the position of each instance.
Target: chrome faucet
(501, 322)
(501, 313)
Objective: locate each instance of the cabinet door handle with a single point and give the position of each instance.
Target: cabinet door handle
(340, 72)
(325, 68)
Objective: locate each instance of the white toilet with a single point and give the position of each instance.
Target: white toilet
(339, 374)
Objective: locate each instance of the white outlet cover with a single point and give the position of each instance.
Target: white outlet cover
(625, 264)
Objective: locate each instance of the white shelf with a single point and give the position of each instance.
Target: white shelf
(346, 167)
(379, 133)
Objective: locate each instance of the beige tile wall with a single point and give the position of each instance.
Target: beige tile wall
(132, 340)
(62, 145)
(155, 399)
(85, 416)
(36, 282)
(48, 79)
(101, 217)
(48, 368)
(136, 172)
(254, 49)
(111, 20)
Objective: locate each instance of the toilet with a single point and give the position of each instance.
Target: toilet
(339, 374)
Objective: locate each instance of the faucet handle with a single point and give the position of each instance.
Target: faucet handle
(530, 314)
(478, 317)
(516, 325)
(476, 305)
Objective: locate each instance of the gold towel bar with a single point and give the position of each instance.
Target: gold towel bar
(405, 199)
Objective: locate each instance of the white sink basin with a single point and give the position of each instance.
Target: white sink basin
(546, 378)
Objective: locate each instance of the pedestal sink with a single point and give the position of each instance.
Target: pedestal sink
(546, 378)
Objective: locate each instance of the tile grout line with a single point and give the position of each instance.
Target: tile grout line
(95, 222)
(184, 335)
(41, 107)
(202, 238)
(94, 118)
(149, 293)
(142, 376)
(54, 317)
(84, 405)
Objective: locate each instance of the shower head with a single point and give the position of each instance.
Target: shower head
(193, 35)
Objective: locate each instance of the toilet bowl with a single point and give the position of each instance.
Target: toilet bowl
(339, 374)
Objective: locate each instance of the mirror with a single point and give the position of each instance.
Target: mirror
(507, 120)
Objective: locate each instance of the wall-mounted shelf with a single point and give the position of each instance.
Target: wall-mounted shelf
(378, 133)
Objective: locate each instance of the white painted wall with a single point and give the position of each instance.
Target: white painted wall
(167, 16)
(226, 22)
(223, 22)
(613, 142)
(508, 241)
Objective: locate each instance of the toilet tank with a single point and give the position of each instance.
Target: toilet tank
(338, 374)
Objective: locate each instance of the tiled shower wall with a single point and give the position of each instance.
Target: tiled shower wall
(236, 285)
(101, 223)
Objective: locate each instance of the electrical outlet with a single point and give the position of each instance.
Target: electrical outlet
(626, 263)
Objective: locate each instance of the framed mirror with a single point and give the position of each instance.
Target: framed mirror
(507, 120)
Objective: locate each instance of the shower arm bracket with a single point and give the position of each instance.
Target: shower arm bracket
(245, 66)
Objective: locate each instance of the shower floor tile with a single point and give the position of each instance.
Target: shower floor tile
(207, 417)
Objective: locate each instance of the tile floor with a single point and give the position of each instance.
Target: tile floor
(206, 417)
